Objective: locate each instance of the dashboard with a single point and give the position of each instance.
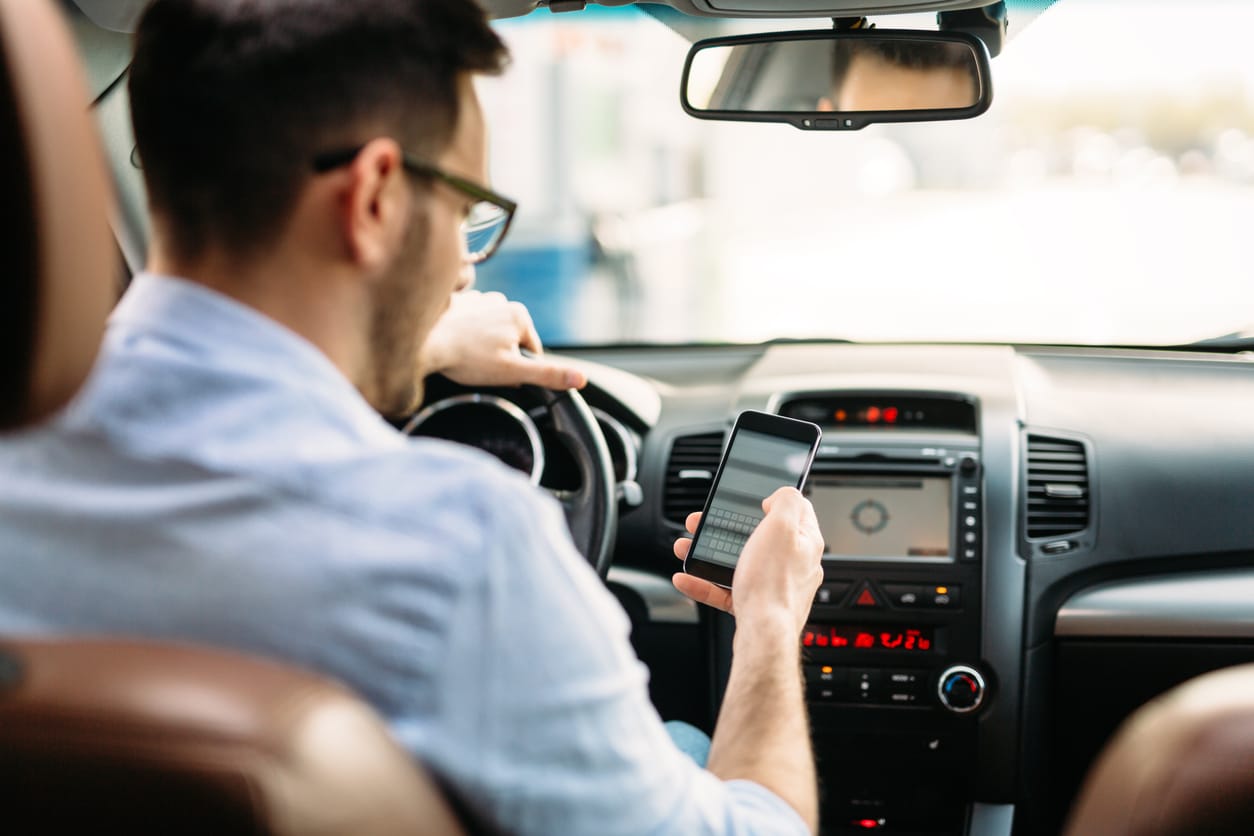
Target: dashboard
(1022, 546)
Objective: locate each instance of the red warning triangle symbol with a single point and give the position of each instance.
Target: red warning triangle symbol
(866, 598)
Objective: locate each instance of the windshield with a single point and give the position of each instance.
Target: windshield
(1103, 199)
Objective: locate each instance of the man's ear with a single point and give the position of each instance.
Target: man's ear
(374, 204)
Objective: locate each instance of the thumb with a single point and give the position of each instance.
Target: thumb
(783, 497)
(540, 371)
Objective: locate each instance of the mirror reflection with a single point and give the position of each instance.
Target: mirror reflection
(839, 72)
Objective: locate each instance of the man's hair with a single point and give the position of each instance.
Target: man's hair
(232, 99)
(909, 55)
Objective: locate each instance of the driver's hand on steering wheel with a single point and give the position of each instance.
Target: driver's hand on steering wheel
(478, 341)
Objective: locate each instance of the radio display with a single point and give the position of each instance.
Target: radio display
(884, 411)
(900, 639)
(883, 517)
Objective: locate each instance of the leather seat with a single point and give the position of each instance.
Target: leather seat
(147, 738)
(1182, 764)
(120, 734)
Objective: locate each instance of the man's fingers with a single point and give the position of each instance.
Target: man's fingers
(784, 498)
(528, 336)
(681, 547)
(692, 521)
(539, 371)
(703, 592)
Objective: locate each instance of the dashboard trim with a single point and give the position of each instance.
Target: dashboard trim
(1212, 605)
(663, 602)
(992, 820)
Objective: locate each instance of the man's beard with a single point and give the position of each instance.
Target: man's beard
(396, 331)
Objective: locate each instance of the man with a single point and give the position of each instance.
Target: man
(911, 75)
(315, 172)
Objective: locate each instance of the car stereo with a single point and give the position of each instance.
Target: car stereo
(898, 502)
(892, 648)
(875, 517)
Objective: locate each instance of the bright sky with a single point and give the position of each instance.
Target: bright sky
(1124, 44)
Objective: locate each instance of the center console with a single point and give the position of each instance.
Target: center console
(895, 684)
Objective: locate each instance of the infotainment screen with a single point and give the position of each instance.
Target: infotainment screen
(878, 517)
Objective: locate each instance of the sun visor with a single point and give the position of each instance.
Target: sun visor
(115, 15)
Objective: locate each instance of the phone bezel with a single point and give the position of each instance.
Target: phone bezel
(767, 423)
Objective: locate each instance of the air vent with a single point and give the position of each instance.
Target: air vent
(689, 473)
(1058, 487)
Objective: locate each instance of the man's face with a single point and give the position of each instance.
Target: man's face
(430, 266)
(875, 83)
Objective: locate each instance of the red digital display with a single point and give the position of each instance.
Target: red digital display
(881, 412)
(874, 414)
(845, 637)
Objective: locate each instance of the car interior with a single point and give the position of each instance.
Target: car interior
(1037, 613)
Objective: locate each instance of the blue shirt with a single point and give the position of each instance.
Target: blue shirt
(219, 480)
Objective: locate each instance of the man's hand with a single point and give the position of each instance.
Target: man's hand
(478, 342)
(762, 734)
(779, 570)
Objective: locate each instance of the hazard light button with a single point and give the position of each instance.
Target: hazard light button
(867, 598)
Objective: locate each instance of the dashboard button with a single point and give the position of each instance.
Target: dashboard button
(904, 681)
(947, 597)
(969, 537)
(961, 689)
(867, 598)
(831, 593)
(864, 685)
(904, 595)
(823, 693)
(826, 683)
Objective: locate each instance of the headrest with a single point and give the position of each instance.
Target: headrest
(59, 264)
(130, 736)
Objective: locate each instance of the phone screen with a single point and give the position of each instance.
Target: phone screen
(755, 466)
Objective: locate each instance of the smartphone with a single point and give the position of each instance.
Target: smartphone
(765, 453)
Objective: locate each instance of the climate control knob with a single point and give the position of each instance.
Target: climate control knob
(961, 689)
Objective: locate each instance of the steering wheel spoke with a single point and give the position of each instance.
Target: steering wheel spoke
(591, 510)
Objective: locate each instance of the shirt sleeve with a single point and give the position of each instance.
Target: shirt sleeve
(546, 724)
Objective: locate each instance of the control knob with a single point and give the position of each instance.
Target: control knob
(961, 689)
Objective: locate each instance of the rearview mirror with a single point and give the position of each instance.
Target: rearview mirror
(824, 80)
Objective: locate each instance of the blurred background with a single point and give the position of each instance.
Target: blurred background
(1105, 197)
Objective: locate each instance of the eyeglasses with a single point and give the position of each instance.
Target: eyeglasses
(486, 223)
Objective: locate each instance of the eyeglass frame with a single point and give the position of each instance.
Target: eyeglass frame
(331, 160)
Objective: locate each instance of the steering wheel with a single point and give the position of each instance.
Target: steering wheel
(591, 511)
